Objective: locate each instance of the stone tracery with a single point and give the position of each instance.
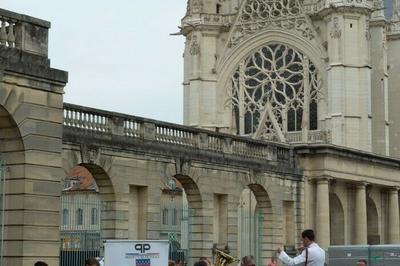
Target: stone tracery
(273, 91)
(266, 14)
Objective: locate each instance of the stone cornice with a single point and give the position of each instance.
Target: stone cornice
(345, 153)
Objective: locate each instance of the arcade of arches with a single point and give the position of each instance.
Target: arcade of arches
(244, 195)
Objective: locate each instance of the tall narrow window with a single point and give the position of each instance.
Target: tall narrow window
(79, 217)
(175, 217)
(65, 217)
(95, 216)
(218, 8)
(165, 216)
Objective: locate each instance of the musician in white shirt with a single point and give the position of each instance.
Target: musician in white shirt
(311, 254)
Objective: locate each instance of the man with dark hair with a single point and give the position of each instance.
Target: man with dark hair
(361, 263)
(201, 263)
(41, 263)
(311, 254)
(92, 262)
(248, 261)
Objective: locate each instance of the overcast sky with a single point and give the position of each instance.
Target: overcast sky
(119, 54)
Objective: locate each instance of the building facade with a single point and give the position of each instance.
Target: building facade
(304, 72)
(290, 122)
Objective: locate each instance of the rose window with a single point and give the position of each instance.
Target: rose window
(275, 92)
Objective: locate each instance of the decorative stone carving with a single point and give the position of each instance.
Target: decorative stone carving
(367, 33)
(335, 32)
(89, 154)
(257, 15)
(194, 46)
(195, 6)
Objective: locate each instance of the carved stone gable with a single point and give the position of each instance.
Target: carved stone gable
(257, 15)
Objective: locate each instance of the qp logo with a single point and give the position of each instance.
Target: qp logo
(142, 248)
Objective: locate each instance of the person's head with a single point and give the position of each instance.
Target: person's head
(207, 260)
(273, 259)
(171, 263)
(361, 263)
(201, 263)
(307, 237)
(41, 263)
(92, 262)
(248, 261)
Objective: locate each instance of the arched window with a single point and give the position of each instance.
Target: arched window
(274, 91)
(79, 217)
(165, 216)
(65, 217)
(175, 217)
(94, 216)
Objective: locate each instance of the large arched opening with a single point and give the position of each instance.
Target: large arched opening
(88, 214)
(175, 219)
(192, 227)
(12, 159)
(255, 224)
(336, 216)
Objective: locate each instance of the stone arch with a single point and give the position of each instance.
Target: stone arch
(373, 236)
(197, 228)
(107, 198)
(12, 168)
(337, 226)
(227, 64)
(261, 226)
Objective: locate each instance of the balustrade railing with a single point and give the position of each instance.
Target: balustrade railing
(314, 136)
(86, 120)
(23, 32)
(319, 5)
(209, 19)
(94, 121)
(7, 32)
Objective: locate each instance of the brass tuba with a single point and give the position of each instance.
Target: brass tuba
(223, 259)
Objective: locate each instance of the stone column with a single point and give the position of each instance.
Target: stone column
(322, 213)
(360, 221)
(393, 219)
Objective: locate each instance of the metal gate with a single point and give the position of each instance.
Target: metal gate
(2, 205)
(80, 229)
(175, 227)
(251, 234)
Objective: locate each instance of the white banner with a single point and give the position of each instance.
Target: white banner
(136, 253)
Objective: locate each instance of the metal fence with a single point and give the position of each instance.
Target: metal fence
(375, 255)
(251, 234)
(2, 205)
(80, 228)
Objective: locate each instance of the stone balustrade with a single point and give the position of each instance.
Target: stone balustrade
(99, 122)
(208, 19)
(22, 32)
(317, 6)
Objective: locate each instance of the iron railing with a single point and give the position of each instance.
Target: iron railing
(2, 205)
(80, 227)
